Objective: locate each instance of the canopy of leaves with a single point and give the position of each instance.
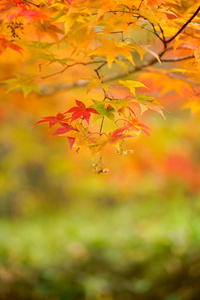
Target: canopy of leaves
(104, 41)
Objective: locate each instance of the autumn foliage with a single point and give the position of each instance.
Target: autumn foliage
(113, 41)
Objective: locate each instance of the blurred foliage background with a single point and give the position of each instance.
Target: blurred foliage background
(68, 234)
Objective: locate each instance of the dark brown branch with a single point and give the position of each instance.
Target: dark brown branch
(163, 37)
(140, 4)
(96, 70)
(185, 25)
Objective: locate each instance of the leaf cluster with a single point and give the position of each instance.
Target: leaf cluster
(108, 38)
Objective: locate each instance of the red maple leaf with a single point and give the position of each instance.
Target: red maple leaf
(118, 135)
(59, 118)
(6, 43)
(80, 111)
(21, 3)
(29, 14)
(71, 141)
(66, 128)
(62, 130)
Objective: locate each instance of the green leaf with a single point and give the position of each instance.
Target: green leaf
(52, 59)
(21, 82)
(121, 102)
(40, 45)
(44, 56)
(61, 61)
(143, 97)
(100, 107)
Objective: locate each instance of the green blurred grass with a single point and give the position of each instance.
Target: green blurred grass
(136, 250)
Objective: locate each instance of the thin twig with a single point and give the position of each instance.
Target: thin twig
(37, 5)
(140, 4)
(175, 59)
(147, 29)
(105, 95)
(74, 64)
(171, 75)
(163, 36)
(183, 27)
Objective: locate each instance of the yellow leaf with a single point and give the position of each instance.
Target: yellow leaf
(131, 85)
(111, 49)
(95, 83)
(193, 105)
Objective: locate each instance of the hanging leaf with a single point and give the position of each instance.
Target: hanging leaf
(80, 111)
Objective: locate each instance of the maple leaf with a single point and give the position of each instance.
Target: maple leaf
(63, 130)
(46, 28)
(71, 141)
(6, 43)
(80, 111)
(96, 82)
(97, 147)
(106, 29)
(29, 14)
(131, 85)
(193, 104)
(104, 109)
(80, 136)
(23, 83)
(117, 135)
(66, 128)
(137, 127)
(146, 103)
(20, 3)
(111, 49)
(59, 118)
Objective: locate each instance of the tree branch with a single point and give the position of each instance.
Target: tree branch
(110, 77)
(74, 64)
(175, 59)
(185, 25)
(140, 4)
(52, 90)
(171, 75)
